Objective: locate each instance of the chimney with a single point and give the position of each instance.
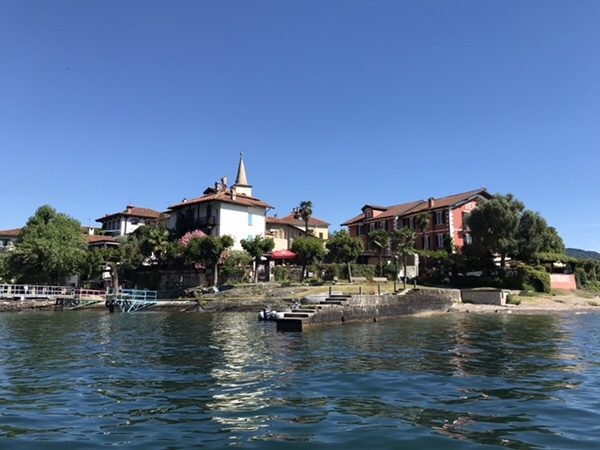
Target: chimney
(184, 200)
(129, 208)
(224, 183)
(431, 202)
(233, 193)
(217, 186)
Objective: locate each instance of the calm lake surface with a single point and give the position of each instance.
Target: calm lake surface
(84, 380)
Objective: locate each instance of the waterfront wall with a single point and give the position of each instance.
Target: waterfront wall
(379, 307)
(479, 297)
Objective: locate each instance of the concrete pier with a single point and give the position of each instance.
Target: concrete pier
(339, 309)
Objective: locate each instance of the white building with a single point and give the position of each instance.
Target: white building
(127, 221)
(222, 211)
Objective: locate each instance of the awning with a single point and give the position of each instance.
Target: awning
(283, 254)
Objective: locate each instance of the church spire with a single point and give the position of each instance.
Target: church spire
(241, 181)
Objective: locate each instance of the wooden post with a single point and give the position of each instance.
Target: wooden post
(378, 288)
(360, 290)
(330, 291)
(395, 285)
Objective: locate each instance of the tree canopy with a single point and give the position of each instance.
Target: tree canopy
(344, 249)
(209, 251)
(378, 242)
(503, 226)
(402, 243)
(257, 247)
(308, 250)
(49, 249)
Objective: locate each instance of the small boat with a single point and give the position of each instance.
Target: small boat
(267, 314)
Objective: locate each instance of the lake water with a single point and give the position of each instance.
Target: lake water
(84, 380)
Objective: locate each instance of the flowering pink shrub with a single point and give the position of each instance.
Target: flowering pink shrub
(185, 239)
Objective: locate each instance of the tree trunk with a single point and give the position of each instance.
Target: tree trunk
(216, 275)
(380, 265)
(404, 274)
(255, 268)
(349, 272)
(303, 273)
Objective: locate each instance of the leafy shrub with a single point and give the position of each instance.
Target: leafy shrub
(287, 274)
(529, 278)
(513, 299)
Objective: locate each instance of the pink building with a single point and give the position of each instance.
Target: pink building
(446, 219)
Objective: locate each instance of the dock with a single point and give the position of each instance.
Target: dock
(341, 309)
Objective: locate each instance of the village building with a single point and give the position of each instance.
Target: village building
(127, 221)
(445, 217)
(8, 238)
(222, 210)
(284, 230)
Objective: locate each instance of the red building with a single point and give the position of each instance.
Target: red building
(445, 218)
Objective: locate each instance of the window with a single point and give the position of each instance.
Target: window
(412, 222)
(361, 230)
(386, 226)
(249, 237)
(440, 241)
(439, 217)
(249, 219)
(425, 242)
(321, 236)
(468, 239)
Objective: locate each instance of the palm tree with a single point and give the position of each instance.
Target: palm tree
(378, 242)
(423, 220)
(304, 211)
(402, 243)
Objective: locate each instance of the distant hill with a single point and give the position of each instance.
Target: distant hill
(582, 254)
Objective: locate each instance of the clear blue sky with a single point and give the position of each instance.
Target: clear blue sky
(341, 102)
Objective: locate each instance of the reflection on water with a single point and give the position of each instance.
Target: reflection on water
(157, 380)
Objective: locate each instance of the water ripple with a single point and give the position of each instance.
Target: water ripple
(175, 381)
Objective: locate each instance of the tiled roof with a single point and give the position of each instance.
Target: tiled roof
(276, 221)
(419, 206)
(11, 233)
(291, 220)
(451, 200)
(224, 196)
(133, 211)
(93, 239)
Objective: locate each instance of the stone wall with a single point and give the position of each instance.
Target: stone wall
(376, 307)
(487, 297)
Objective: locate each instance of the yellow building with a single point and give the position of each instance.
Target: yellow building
(284, 230)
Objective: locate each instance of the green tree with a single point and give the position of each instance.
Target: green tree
(378, 242)
(157, 242)
(304, 211)
(345, 249)
(4, 273)
(494, 227)
(257, 247)
(402, 243)
(534, 236)
(423, 220)
(235, 267)
(308, 250)
(49, 249)
(209, 251)
(92, 265)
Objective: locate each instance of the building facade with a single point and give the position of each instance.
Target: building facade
(127, 221)
(222, 211)
(444, 220)
(284, 230)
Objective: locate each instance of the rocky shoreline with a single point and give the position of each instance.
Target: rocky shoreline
(256, 298)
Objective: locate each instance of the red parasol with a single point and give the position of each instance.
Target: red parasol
(283, 254)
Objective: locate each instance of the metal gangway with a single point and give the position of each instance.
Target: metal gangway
(130, 300)
(46, 292)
